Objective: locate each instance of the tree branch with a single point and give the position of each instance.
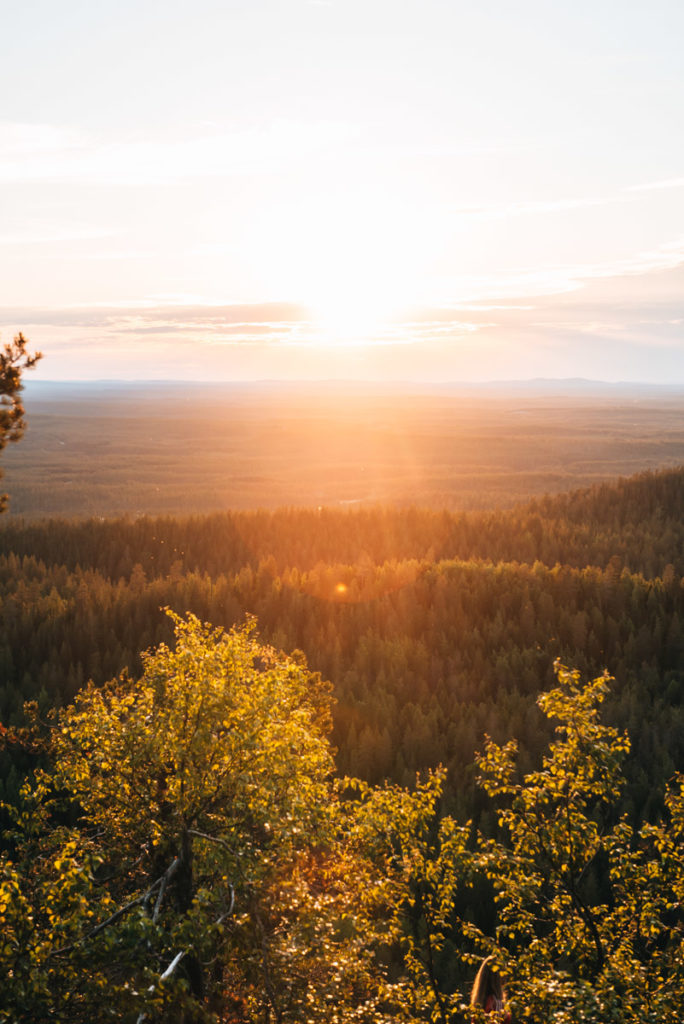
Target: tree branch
(229, 911)
(162, 977)
(210, 839)
(118, 914)
(165, 881)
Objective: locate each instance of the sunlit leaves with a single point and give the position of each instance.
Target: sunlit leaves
(187, 795)
(589, 916)
(189, 848)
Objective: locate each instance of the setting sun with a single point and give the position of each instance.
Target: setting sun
(355, 261)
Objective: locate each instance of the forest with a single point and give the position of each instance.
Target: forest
(432, 627)
(435, 629)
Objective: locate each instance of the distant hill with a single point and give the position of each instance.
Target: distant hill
(68, 390)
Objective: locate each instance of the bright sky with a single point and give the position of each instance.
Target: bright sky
(394, 189)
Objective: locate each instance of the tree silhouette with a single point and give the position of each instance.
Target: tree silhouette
(14, 360)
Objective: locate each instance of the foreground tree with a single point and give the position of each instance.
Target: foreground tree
(589, 923)
(189, 857)
(174, 806)
(590, 911)
(14, 360)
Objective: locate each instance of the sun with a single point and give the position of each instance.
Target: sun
(353, 260)
(350, 308)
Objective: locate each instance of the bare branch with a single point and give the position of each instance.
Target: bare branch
(231, 906)
(165, 881)
(210, 839)
(171, 968)
(162, 977)
(118, 914)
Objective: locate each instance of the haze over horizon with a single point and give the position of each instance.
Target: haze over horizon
(312, 189)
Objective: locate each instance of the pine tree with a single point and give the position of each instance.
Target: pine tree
(14, 360)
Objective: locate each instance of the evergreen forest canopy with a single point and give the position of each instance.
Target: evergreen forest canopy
(434, 628)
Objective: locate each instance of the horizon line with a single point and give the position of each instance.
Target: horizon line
(384, 383)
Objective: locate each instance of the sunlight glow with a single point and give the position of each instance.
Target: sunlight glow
(339, 190)
(354, 260)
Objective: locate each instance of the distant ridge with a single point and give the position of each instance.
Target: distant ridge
(533, 387)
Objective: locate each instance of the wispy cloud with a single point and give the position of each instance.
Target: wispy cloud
(665, 256)
(505, 294)
(46, 153)
(504, 287)
(259, 324)
(48, 233)
(197, 316)
(651, 186)
(502, 211)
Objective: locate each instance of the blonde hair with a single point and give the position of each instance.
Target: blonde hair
(487, 983)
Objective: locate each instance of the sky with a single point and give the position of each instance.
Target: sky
(431, 190)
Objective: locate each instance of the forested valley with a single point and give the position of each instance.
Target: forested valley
(434, 628)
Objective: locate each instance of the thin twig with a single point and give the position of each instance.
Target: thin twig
(210, 839)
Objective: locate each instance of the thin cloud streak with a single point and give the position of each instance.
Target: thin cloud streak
(653, 186)
(539, 282)
(530, 208)
(49, 234)
(199, 315)
(45, 153)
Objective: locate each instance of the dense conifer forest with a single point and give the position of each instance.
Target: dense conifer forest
(433, 627)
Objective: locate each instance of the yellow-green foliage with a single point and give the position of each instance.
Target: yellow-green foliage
(188, 855)
(589, 912)
(220, 734)
(190, 797)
